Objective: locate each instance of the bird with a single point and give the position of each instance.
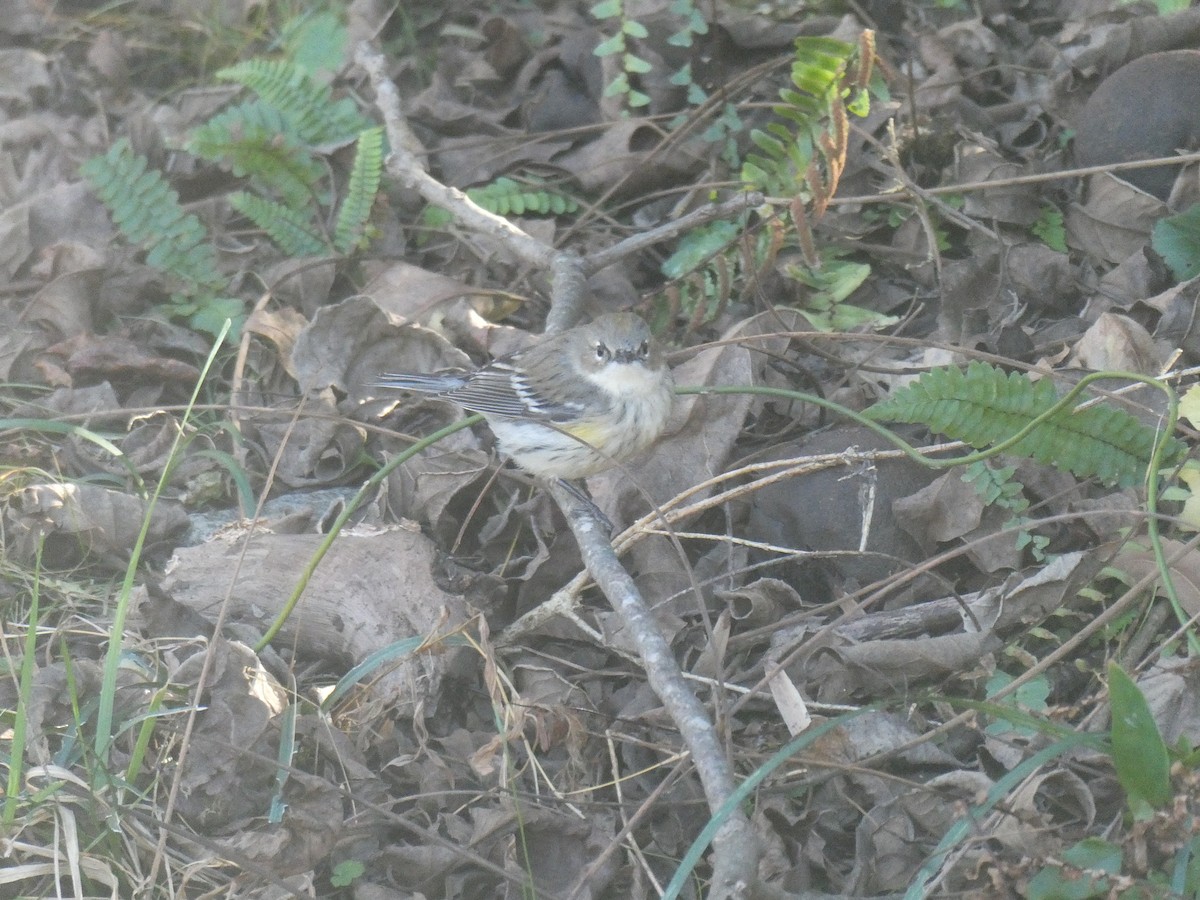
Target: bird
(572, 405)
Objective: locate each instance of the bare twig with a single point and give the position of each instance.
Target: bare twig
(668, 230)
(1031, 178)
(735, 842)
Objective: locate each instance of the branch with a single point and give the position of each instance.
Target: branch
(668, 230)
(737, 853)
(404, 164)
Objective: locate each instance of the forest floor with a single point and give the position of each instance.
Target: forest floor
(981, 667)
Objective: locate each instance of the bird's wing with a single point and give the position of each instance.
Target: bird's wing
(502, 390)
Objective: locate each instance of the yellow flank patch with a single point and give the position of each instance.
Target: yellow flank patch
(588, 432)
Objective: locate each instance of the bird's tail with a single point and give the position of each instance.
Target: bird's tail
(435, 383)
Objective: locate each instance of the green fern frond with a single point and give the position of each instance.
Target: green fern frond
(983, 406)
(505, 197)
(314, 117)
(818, 65)
(360, 192)
(256, 139)
(819, 75)
(290, 229)
(148, 213)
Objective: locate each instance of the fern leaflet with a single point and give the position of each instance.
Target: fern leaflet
(313, 116)
(290, 229)
(148, 213)
(360, 192)
(506, 197)
(255, 139)
(984, 406)
(817, 69)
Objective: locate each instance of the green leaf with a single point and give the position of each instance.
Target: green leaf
(683, 76)
(754, 176)
(308, 109)
(637, 99)
(614, 45)
(636, 64)
(1091, 854)
(211, 315)
(983, 406)
(361, 191)
(619, 85)
(860, 104)
(634, 29)
(819, 63)
(606, 9)
(1049, 227)
(848, 317)
(767, 143)
(698, 246)
(346, 872)
(1177, 240)
(504, 196)
(256, 140)
(837, 279)
(1139, 752)
(290, 229)
(1030, 697)
(681, 38)
(148, 213)
(316, 42)
(434, 217)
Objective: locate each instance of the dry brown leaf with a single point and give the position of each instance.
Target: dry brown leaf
(281, 327)
(1177, 325)
(883, 667)
(415, 294)
(789, 703)
(1115, 221)
(625, 154)
(1118, 343)
(559, 850)
(423, 487)
(1185, 572)
(1041, 277)
(947, 509)
(760, 602)
(1172, 689)
(81, 520)
(1027, 599)
(24, 73)
(369, 591)
(119, 359)
(348, 345)
(1016, 204)
(301, 285)
(890, 838)
(239, 710)
(315, 451)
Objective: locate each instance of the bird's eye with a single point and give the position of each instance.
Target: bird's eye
(602, 353)
(644, 349)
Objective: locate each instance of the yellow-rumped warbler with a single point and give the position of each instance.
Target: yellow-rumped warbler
(572, 405)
